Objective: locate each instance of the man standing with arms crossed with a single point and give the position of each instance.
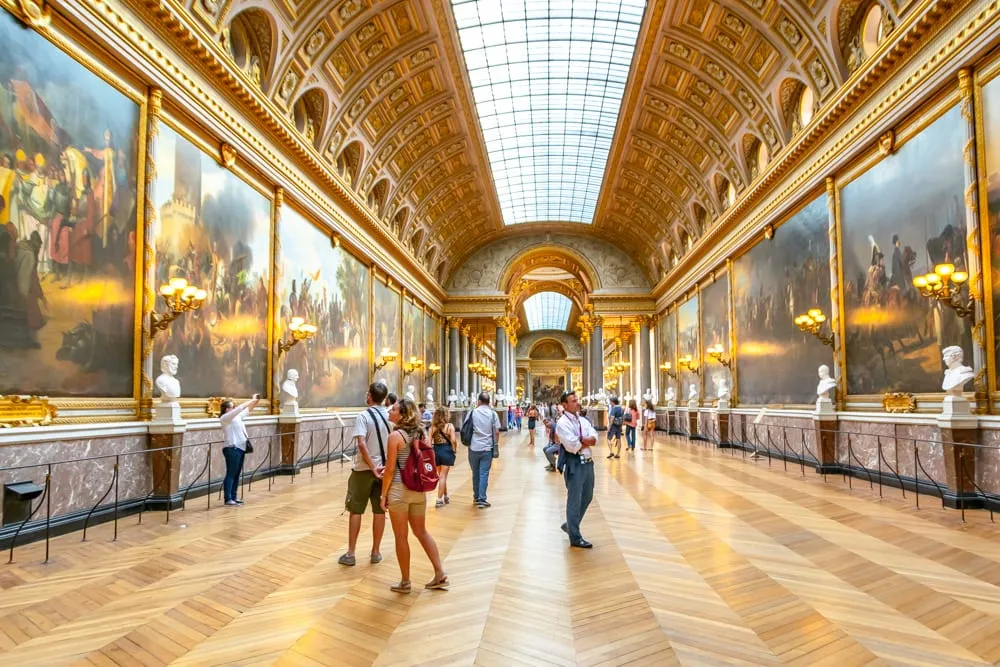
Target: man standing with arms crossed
(576, 436)
(371, 433)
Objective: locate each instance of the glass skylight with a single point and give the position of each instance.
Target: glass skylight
(547, 310)
(548, 78)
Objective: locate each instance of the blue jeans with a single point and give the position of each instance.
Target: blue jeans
(550, 451)
(579, 478)
(234, 467)
(480, 462)
(630, 437)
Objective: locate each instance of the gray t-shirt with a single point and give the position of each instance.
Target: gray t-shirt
(365, 427)
(484, 422)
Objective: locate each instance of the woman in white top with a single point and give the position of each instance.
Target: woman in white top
(234, 445)
(649, 418)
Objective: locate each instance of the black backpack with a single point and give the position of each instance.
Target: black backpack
(617, 419)
(467, 430)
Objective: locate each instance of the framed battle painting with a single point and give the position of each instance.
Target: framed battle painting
(213, 230)
(413, 347)
(899, 218)
(715, 332)
(688, 343)
(666, 342)
(70, 150)
(387, 331)
(773, 282)
(327, 286)
(989, 193)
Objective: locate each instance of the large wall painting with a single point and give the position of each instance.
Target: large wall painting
(991, 132)
(328, 287)
(547, 389)
(68, 164)
(413, 347)
(431, 339)
(666, 339)
(715, 331)
(687, 343)
(213, 230)
(899, 219)
(385, 307)
(773, 283)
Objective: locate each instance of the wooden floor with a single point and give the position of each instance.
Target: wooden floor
(701, 557)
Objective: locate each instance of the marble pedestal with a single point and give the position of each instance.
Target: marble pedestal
(288, 429)
(599, 418)
(693, 421)
(502, 414)
(673, 419)
(959, 432)
(165, 440)
(721, 417)
(825, 437)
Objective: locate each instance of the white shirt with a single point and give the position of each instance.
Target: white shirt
(649, 414)
(485, 424)
(234, 431)
(369, 430)
(571, 429)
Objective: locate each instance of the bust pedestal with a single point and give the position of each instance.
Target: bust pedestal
(166, 438)
(289, 408)
(721, 416)
(959, 429)
(824, 407)
(289, 427)
(692, 416)
(825, 435)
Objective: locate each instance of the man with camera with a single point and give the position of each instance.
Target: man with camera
(577, 437)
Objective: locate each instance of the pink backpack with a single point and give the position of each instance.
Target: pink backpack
(420, 471)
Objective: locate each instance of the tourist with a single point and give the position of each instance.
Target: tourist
(631, 423)
(551, 449)
(445, 443)
(407, 508)
(616, 417)
(649, 425)
(485, 433)
(426, 414)
(371, 433)
(518, 415)
(576, 438)
(234, 447)
(532, 423)
(390, 399)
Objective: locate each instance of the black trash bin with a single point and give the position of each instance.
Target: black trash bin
(17, 499)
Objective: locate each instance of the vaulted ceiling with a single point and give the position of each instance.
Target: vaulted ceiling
(380, 90)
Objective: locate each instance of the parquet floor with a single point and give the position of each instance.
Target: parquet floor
(701, 558)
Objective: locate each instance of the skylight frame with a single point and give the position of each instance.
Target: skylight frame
(547, 311)
(548, 78)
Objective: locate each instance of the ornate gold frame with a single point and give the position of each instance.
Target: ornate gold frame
(985, 74)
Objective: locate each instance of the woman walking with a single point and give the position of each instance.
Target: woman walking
(234, 447)
(532, 423)
(445, 445)
(649, 425)
(407, 509)
(631, 423)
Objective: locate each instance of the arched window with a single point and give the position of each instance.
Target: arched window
(807, 103)
(871, 29)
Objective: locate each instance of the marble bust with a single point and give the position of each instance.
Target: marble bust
(452, 399)
(429, 397)
(501, 399)
(722, 389)
(826, 383)
(957, 374)
(671, 395)
(693, 392)
(290, 393)
(167, 382)
(409, 393)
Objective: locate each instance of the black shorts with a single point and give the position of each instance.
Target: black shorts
(444, 455)
(614, 431)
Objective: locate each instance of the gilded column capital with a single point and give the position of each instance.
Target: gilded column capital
(965, 82)
(455, 323)
(279, 196)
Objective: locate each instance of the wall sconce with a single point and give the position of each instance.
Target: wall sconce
(384, 359)
(433, 369)
(300, 331)
(180, 298)
(945, 285)
(414, 364)
(718, 353)
(812, 322)
(667, 367)
(687, 363)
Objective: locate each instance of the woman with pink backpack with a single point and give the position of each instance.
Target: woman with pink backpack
(410, 473)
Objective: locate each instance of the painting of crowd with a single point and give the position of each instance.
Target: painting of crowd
(991, 126)
(687, 343)
(547, 389)
(385, 308)
(774, 282)
(67, 223)
(430, 355)
(715, 331)
(413, 345)
(328, 287)
(213, 230)
(666, 338)
(900, 218)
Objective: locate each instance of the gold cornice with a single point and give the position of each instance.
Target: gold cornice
(166, 20)
(860, 88)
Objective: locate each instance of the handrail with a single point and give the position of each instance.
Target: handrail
(114, 482)
(45, 496)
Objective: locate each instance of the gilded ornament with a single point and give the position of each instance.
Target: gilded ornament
(716, 148)
(26, 411)
(789, 31)
(755, 4)
(374, 50)
(679, 50)
(696, 99)
(397, 94)
(403, 106)
(856, 55)
(420, 57)
(310, 130)
(899, 402)
(33, 13)
(315, 42)
(356, 108)
(227, 155)
(725, 41)
(367, 31)
(439, 108)
(385, 78)
(253, 70)
(658, 104)
(769, 134)
(734, 23)
(342, 66)
(288, 85)
(819, 74)
(769, 231)
(211, 6)
(349, 10)
(885, 26)
(887, 143)
(746, 99)
(702, 87)
(226, 40)
(715, 71)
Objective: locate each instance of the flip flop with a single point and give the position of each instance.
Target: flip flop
(438, 584)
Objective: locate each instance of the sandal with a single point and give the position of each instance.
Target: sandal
(402, 587)
(439, 584)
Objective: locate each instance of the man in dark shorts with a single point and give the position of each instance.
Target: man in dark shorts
(371, 434)
(615, 419)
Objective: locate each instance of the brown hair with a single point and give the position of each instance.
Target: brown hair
(409, 417)
(440, 419)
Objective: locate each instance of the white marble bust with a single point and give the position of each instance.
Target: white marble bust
(429, 396)
(722, 389)
(671, 395)
(290, 393)
(501, 398)
(409, 393)
(957, 374)
(826, 383)
(452, 399)
(167, 382)
(692, 392)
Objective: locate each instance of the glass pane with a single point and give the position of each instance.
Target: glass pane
(549, 76)
(547, 310)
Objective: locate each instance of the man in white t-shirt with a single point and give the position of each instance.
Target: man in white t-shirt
(485, 432)
(576, 436)
(371, 436)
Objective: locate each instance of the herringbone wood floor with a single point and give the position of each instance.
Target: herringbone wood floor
(700, 558)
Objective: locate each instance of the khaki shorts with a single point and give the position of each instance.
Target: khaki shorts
(363, 487)
(403, 500)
